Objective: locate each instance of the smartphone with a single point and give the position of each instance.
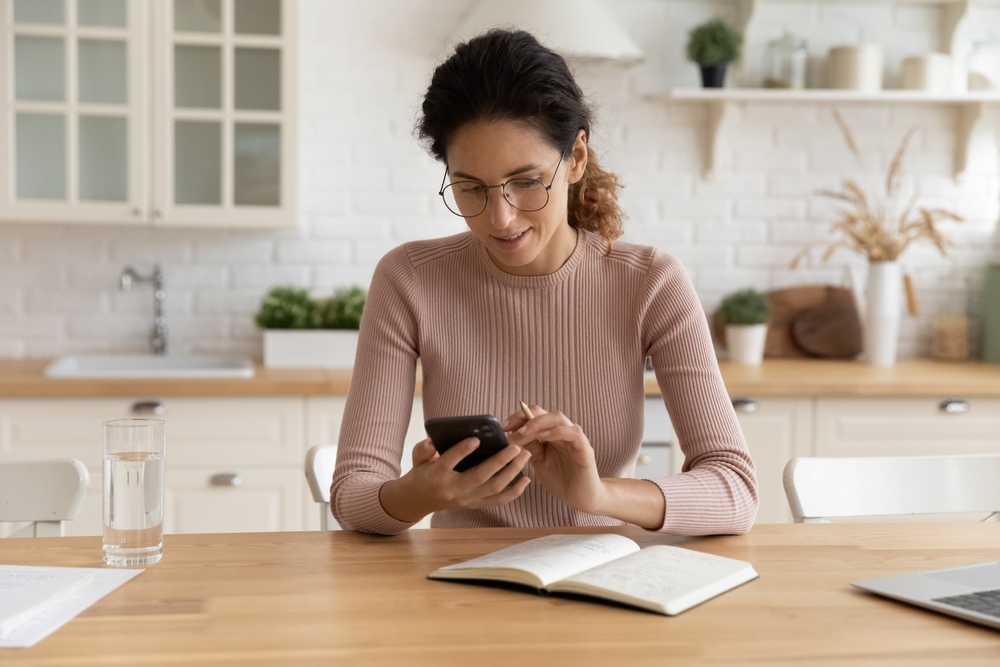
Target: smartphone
(446, 432)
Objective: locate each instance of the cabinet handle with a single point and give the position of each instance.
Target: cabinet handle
(644, 460)
(746, 405)
(149, 408)
(226, 479)
(953, 406)
(139, 212)
(158, 212)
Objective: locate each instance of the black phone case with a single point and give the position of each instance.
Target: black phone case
(446, 432)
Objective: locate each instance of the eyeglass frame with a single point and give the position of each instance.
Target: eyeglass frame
(487, 188)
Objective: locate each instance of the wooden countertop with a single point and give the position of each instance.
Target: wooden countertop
(779, 377)
(346, 598)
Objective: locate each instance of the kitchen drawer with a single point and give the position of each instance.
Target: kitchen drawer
(199, 431)
(905, 427)
(265, 500)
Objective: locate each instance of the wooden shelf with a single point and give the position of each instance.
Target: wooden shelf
(978, 112)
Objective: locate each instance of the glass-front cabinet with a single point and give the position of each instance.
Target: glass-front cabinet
(166, 112)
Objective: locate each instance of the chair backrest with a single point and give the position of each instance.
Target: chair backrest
(46, 493)
(320, 462)
(879, 486)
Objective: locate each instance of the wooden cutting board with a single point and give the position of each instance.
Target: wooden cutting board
(830, 330)
(826, 330)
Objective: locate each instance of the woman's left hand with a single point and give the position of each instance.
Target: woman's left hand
(561, 456)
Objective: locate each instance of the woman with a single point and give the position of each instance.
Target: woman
(535, 303)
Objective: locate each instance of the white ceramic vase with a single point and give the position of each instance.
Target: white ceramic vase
(746, 343)
(310, 348)
(883, 312)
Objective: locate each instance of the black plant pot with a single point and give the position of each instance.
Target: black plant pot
(713, 76)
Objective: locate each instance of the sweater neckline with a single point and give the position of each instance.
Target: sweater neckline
(534, 282)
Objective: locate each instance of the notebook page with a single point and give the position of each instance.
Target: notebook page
(662, 574)
(25, 591)
(52, 618)
(555, 557)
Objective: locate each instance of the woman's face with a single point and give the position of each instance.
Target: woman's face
(520, 243)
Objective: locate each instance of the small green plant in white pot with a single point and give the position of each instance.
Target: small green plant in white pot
(746, 314)
(302, 332)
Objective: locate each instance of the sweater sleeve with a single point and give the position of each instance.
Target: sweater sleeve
(379, 401)
(716, 491)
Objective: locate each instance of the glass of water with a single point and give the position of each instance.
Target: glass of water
(133, 492)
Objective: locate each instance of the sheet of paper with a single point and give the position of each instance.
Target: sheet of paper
(554, 557)
(26, 591)
(661, 573)
(61, 612)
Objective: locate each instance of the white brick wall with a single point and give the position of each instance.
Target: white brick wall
(366, 186)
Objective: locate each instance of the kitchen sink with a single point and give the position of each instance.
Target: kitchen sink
(149, 366)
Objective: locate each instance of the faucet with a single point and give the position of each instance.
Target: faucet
(158, 335)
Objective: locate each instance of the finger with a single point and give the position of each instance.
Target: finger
(423, 452)
(514, 421)
(502, 479)
(456, 453)
(482, 473)
(540, 423)
(507, 495)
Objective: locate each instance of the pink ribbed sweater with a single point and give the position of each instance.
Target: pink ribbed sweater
(574, 340)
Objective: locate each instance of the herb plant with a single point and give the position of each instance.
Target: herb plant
(746, 307)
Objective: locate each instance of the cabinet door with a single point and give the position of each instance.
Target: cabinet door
(776, 430)
(233, 499)
(907, 426)
(73, 110)
(254, 437)
(224, 108)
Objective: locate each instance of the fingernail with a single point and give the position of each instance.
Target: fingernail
(528, 455)
(522, 429)
(506, 423)
(544, 434)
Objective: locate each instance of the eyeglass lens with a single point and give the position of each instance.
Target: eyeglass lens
(468, 198)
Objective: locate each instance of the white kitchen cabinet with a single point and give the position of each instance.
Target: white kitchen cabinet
(175, 112)
(258, 439)
(776, 430)
(907, 426)
(199, 500)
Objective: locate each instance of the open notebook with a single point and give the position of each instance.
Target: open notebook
(663, 579)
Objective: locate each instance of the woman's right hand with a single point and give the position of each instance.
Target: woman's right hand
(433, 484)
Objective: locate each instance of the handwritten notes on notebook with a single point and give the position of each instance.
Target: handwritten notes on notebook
(663, 579)
(37, 601)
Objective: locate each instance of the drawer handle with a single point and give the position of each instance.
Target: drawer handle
(644, 460)
(954, 406)
(149, 408)
(226, 479)
(746, 405)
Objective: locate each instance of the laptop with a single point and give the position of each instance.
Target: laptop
(971, 592)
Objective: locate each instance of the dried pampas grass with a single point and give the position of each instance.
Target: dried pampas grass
(868, 226)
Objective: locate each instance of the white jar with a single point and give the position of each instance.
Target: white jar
(856, 67)
(930, 72)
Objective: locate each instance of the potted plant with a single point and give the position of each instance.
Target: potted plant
(713, 45)
(302, 332)
(880, 227)
(746, 314)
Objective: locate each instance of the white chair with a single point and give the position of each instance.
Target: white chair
(320, 462)
(892, 485)
(46, 493)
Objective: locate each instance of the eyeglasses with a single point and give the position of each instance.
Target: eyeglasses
(469, 198)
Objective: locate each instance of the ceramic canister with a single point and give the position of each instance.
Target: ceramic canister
(929, 71)
(856, 67)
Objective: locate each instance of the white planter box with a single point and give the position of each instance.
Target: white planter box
(746, 343)
(310, 348)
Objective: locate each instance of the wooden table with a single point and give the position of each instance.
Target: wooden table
(347, 598)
